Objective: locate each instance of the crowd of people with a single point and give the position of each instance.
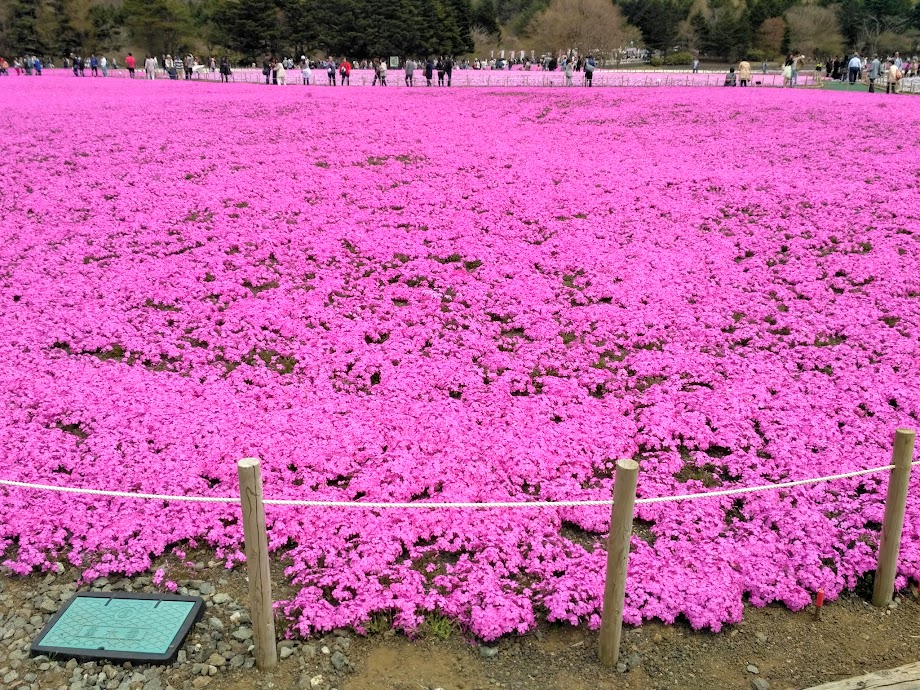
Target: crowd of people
(853, 68)
(337, 71)
(856, 67)
(27, 64)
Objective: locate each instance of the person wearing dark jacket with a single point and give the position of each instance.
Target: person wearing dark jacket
(224, 69)
(448, 68)
(267, 69)
(429, 70)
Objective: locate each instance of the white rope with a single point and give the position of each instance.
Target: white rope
(418, 504)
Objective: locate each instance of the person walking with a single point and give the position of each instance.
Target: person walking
(94, 64)
(589, 70)
(330, 71)
(410, 72)
(894, 77)
(855, 64)
(345, 72)
(130, 64)
(787, 71)
(382, 67)
(104, 66)
(696, 65)
(440, 68)
(225, 69)
(429, 71)
(267, 70)
(798, 63)
(569, 70)
(875, 71)
(189, 64)
(449, 68)
(211, 64)
(150, 67)
(744, 72)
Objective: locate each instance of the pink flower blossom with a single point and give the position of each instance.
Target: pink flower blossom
(460, 295)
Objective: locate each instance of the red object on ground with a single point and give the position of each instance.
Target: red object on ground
(819, 602)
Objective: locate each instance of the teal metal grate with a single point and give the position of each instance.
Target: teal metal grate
(120, 626)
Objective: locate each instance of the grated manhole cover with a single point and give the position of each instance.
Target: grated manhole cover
(145, 628)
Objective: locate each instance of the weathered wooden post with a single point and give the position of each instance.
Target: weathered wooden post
(895, 505)
(621, 519)
(260, 583)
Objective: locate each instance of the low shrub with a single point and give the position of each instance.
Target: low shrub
(681, 58)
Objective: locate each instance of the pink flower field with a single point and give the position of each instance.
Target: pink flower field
(460, 295)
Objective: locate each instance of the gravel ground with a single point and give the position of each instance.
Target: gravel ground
(772, 648)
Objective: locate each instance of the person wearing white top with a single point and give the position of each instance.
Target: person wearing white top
(894, 77)
(305, 69)
(279, 72)
(150, 67)
(855, 65)
(104, 64)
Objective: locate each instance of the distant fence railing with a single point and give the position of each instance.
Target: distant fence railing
(470, 78)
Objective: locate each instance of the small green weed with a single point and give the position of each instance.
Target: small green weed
(438, 626)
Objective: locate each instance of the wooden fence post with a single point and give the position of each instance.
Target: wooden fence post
(895, 504)
(260, 583)
(621, 519)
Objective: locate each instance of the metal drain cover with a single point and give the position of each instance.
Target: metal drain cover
(121, 626)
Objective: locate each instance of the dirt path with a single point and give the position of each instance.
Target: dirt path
(787, 650)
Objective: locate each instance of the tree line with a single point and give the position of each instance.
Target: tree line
(733, 29)
(764, 29)
(247, 29)
(243, 29)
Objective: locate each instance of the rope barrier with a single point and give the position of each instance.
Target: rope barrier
(417, 504)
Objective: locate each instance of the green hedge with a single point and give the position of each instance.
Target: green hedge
(682, 58)
(758, 56)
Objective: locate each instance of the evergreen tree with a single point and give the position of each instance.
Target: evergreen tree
(159, 26)
(23, 37)
(250, 27)
(485, 18)
(658, 20)
(852, 15)
(462, 14)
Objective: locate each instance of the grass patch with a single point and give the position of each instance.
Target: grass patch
(379, 623)
(439, 627)
(256, 289)
(160, 307)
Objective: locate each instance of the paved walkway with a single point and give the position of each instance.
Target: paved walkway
(901, 678)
